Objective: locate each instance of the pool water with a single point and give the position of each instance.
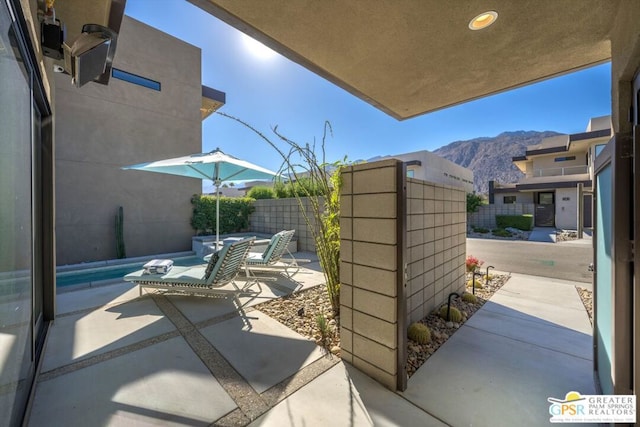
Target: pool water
(103, 275)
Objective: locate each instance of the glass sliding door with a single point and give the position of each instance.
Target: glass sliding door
(22, 323)
(603, 332)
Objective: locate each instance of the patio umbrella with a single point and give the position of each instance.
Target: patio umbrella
(216, 166)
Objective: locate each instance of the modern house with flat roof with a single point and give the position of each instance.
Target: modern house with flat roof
(426, 166)
(559, 175)
(152, 109)
(432, 63)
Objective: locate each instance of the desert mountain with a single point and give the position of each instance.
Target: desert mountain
(490, 158)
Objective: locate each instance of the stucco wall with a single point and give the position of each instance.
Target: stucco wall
(567, 208)
(549, 162)
(520, 197)
(101, 128)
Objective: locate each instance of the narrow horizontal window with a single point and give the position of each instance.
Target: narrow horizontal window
(135, 79)
(564, 159)
(507, 200)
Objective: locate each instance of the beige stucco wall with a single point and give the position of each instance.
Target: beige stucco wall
(498, 198)
(625, 54)
(434, 168)
(548, 162)
(101, 128)
(567, 208)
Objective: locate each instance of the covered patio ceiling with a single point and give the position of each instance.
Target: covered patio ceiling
(410, 57)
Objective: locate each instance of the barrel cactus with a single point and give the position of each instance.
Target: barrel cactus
(419, 332)
(479, 284)
(454, 314)
(470, 298)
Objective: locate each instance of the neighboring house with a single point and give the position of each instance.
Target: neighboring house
(152, 109)
(426, 166)
(558, 175)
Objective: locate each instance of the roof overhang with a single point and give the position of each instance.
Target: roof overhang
(212, 100)
(409, 58)
(552, 185)
(573, 141)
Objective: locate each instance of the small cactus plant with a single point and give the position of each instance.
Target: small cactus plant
(419, 332)
(479, 284)
(470, 298)
(454, 314)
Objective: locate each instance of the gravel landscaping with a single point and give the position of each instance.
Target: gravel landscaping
(587, 299)
(441, 330)
(300, 310)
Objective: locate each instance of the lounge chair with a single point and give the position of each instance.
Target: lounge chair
(272, 257)
(222, 269)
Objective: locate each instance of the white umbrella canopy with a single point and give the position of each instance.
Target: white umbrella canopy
(216, 166)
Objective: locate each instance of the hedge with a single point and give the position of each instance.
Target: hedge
(521, 222)
(234, 214)
(261, 192)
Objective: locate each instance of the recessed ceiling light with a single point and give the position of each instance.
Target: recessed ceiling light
(483, 20)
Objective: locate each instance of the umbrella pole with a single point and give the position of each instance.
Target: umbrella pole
(217, 215)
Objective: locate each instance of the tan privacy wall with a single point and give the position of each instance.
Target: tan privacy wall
(402, 252)
(274, 215)
(436, 242)
(369, 221)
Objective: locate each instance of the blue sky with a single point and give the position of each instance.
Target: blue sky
(266, 92)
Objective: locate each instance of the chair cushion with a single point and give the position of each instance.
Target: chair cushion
(212, 263)
(158, 266)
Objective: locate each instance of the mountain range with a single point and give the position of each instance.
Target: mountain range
(490, 157)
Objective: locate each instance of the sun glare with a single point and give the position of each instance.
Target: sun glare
(256, 48)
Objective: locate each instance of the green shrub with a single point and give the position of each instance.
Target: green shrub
(234, 214)
(419, 332)
(501, 232)
(480, 229)
(473, 202)
(303, 187)
(521, 222)
(454, 314)
(261, 192)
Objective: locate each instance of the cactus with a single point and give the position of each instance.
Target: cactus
(479, 284)
(325, 331)
(471, 298)
(120, 248)
(419, 332)
(454, 314)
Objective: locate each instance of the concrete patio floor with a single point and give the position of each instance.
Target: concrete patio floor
(115, 359)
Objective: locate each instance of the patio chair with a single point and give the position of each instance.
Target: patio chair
(222, 269)
(272, 257)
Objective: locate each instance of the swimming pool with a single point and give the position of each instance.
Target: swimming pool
(87, 275)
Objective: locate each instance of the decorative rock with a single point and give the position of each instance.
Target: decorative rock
(449, 324)
(335, 349)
